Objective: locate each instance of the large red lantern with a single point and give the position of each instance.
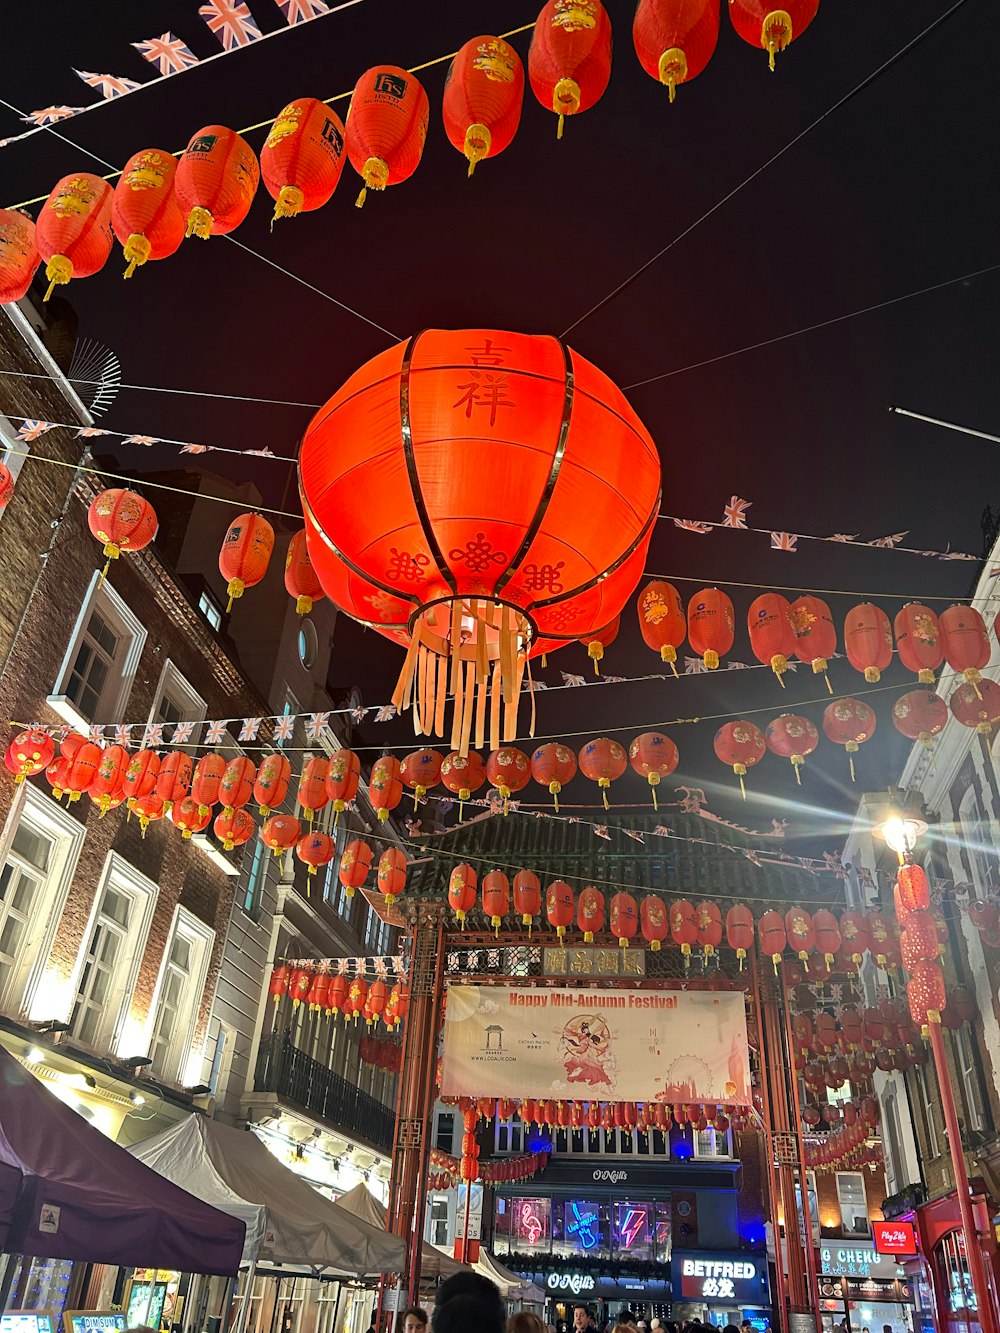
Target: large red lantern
(246, 554)
(462, 891)
(216, 181)
(107, 788)
(654, 921)
(709, 928)
(711, 626)
(315, 849)
(391, 874)
(496, 897)
(918, 641)
(420, 771)
(849, 722)
(463, 774)
(773, 937)
(280, 833)
(675, 39)
(590, 913)
(683, 926)
(122, 520)
(597, 640)
(920, 715)
(655, 756)
(770, 630)
(19, 258)
(761, 24)
(236, 786)
(312, 794)
(739, 930)
(559, 906)
(800, 933)
(355, 863)
(965, 641)
(914, 890)
(527, 896)
(624, 918)
(271, 784)
(793, 738)
(603, 761)
(300, 577)
(73, 231)
(186, 815)
(386, 127)
(234, 826)
(508, 769)
(207, 778)
(173, 782)
(868, 640)
(552, 766)
(302, 157)
(740, 745)
(459, 560)
(815, 634)
(661, 614)
(385, 790)
(926, 994)
(919, 942)
(31, 752)
(977, 704)
(342, 778)
(6, 476)
(483, 91)
(826, 929)
(569, 61)
(141, 774)
(145, 215)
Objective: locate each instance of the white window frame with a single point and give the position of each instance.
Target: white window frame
(175, 684)
(119, 875)
(201, 939)
(974, 829)
(49, 820)
(927, 1107)
(847, 1221)
(100, 596)
(965, 1062)
(714, 1155)
(210, 610)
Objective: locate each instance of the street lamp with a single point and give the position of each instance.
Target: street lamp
(900, 832)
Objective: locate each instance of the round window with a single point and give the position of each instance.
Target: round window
(307, 644)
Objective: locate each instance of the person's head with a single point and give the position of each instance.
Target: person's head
(581, 1318)
(414, 1320)
(525, 1322)
(730, 1328)
(468, 1303)
(654, 1324)
(624, 1325)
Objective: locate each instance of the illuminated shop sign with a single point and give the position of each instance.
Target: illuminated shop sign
(718, 1277)
(582, 1225)
(574, 1282)
(895, 1238)
(848, 1261)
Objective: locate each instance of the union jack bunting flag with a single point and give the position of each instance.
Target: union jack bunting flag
(889, 542)
(284, 727)
(147, 440)
(734, 514)
(167, 52)
(783, 541)
(250, 728)
(692, 525)
(108, 85)
(123, 734)
(89, 432)
(153, 735)
(301, 11)
(231, 21)
(182, 733)
(31, 430)
(843, 537)
(215, 733)
(50, 114)
(315, 725)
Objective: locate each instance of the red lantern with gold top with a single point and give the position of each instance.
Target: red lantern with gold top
(763, 24)
(711, 626)
(145, 214)
(280, 833)
(73, 230)
(207, 778)
(654, 921)
(800, 933)
(355, 863)
(655, 756)
(603, 761)
(483, 91)
(965, 642)
(773, 936)
(6, 476)
(508, 769)
(122, 520)
(739, 930)
(815, 633)
(357, 998)
(868, 640)
(108, 786)
(675, 39)
(552, 766)
(770, 630)
(236, 786)
(569, 61)
(19, 259)
(302, 157)
(312, 795)
(926, 994)
(624, 918)
(278, 985)
(216, 181)
(590, 912)
(246, 554)
(709, 928)
(271, 784)
(793, 738)
(315, 849)
(596, 642)
(661, 614)
(386, 127)
(234, 826)
(300, 577)
(977, 704)
(855, 930)
(55, 772)
(420, 771)
(173, 782)
(914, 890)
(527, 896)
(559, 906)
(186, 815)
(849, 722)
(463, 774)
(740, 745)
(881, 937)
(683, 926)
(920, 715)
(462, 891)
(385, 790)
(918, 641)
(391, 874)
(342, 779)
(32, 752)
(496, 897)
(826, 929)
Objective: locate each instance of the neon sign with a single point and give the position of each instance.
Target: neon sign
(583, 1225)
(719, 1279)
(633, 1225)
(574, 1282)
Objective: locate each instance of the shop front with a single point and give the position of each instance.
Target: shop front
(865, 1291)
(945, 1259)
(718, 1287)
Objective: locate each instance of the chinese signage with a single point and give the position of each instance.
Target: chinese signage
(635, 1045)
(897, 1238)
(711, 1276)
(594, 962)
(885, 1290)
(847, 1261)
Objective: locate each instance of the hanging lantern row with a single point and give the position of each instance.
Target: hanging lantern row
(159, 200)
(333, 994)
(572, 1114)
(826, 944)
(847, 1113)
(387, 1055)
(446, 1171)
(847, 1145)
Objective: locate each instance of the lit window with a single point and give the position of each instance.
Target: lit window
(99, 667)
(713, 1143)
(853, 1203)
(210, 609)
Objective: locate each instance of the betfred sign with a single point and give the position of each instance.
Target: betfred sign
(709, 1276)
(898, 1239)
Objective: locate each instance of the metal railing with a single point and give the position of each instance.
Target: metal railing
(285, 1070)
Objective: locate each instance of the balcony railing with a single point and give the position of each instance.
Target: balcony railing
(283, 1069)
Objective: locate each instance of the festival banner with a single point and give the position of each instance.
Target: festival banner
(596, 1044)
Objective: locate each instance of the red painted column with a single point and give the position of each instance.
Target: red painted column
(780, 1280)
(796, 1120)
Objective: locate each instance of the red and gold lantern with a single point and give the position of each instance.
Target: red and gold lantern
(300, 577)
(420, 771)
(603, 761)
(496, 897)
(355, 863)
(391, 874)
(675, 39)
(483, 91)
(302, 157)
(762, 24)
(216, 181)
(315, 849)
(709, 928)
(661, 611)
(590, 913)
(770, 630)
(280, 833)
(236, 786)
(73, 231)
(739, 930)
(234, 826)
(552, 766)
(977, 704)
(148, 809)
(186, 815)
(793, 738)
(965, 641)
(654, 921)
(815, 634)
(740, 745)
(711, 626)
(826, 930)
(173, 782)
(312, 794)
(342, 779)
(683, 926)
(462, 891)
(773, 937)
(926, 994)
(849, 722)
(140, 777)
(800, 933)
(31, 752)
(19, 260)
(463, 774)
(527, 896)
(624, 918)
(207, 778)
(868, 640)
(386, 127)
(108, 786)
(914, 890)
(6, 476)
(145, 215)
(918, 641)
(569, 61)
(559, 906)
(271, 784)
(920, 715)
(596, 642)
(122, 520)
(655, 756)
(508, 769)
(246, 554)
(385, 790)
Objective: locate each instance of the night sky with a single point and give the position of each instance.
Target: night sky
(894, 191)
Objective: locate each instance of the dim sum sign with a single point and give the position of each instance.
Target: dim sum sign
(596, 1043)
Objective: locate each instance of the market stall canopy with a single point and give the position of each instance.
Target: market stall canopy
(287, 1221)
(68, 1192)
(512, 1285)
(362, 1204)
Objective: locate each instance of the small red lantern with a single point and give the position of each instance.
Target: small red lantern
(661, 611)
(760, 24)
(82, 769)
(552, 766)
(462, 891)
(302, 158)
(655, 756)
(855, 931)
(216, 181)
(483, 91)
(711, 626)
(73, 231)
(342, 778)
(569, 61)
(868, 640)
(300, 577)
(926, 994)
(315, 849)
(918, 641)
(280, 833)
(496, 897)
(32, 752)
(683, 926)
(977, 704)
(527, 896)
(771, 636)
(792, 738)
(271, 784)
(312, 795)
(278, 985)
(246, 554)
(148, 809)
(772, 935)
(19, 260)
(357, 997)
(145, 215)
(739, 930)
(391, 874)
(208, 774)
(675, 39)
(709, 928)
(123, 521)
(965, 641)
(385, 790)
(624, 918)
(559, 906)
(420, 771)
(920, 715)
(849, 722)
(815, 634)
(463, 774)
(740, 745)
(603, 761)
(598, 640)
(590, 913)
(108, 787)
(826, 929)
(508, 769)
(236, 786)
(55, 772)
(654, 921)
(881, 937)
(355, 863)
(234, 826)
(386, 127)
(186, 815)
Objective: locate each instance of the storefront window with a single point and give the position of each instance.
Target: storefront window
(662, 1234)
(634, 1223)
(531, 1225)
(581, 1231)
(953, 1269)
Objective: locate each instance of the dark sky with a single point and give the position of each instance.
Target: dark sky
(896, 190)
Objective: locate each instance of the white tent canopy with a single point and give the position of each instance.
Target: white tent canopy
(512, 1286)
(287, 1221)
(360, 1203)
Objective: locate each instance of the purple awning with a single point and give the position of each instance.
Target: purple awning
(67, 1192)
